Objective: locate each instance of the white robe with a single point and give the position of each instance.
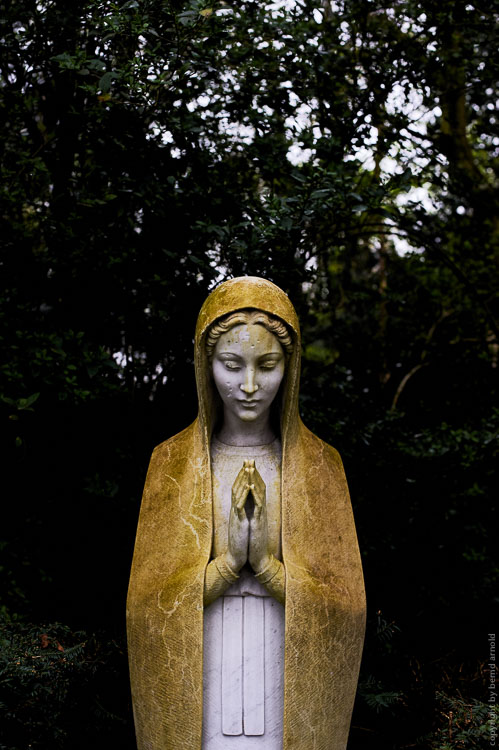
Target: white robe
(243, 647)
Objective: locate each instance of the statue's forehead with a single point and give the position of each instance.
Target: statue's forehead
(248, 335)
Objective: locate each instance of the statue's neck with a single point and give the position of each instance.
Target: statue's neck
(235, 431)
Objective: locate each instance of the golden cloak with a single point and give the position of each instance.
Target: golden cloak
(325, 600)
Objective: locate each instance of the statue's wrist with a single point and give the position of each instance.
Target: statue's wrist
(228, 567)
(269, 572)
(263, 564)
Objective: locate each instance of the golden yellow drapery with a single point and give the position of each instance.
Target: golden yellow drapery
(325, 601)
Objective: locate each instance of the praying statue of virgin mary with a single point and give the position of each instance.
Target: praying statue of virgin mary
(246, 605)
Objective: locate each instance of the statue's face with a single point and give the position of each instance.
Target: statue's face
(248, 366)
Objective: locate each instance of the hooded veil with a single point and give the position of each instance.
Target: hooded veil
(325, 601)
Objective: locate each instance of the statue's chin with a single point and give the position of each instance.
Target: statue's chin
(248, 416)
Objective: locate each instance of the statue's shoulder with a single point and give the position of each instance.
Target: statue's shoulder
(320, 451)
(178, 445)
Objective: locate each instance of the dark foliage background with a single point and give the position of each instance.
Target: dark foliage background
(347, 151)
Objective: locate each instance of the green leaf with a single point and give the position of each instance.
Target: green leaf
(30, 400)
(106, 80)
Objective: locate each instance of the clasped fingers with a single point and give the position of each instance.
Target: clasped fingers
(240, 490)
(259, 492)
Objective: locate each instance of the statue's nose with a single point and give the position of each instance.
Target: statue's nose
(249, 386)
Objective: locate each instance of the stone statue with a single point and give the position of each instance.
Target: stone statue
(246, 606)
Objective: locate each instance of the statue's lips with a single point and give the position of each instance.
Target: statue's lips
(248, 404)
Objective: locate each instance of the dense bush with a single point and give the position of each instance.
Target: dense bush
(61, 689)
